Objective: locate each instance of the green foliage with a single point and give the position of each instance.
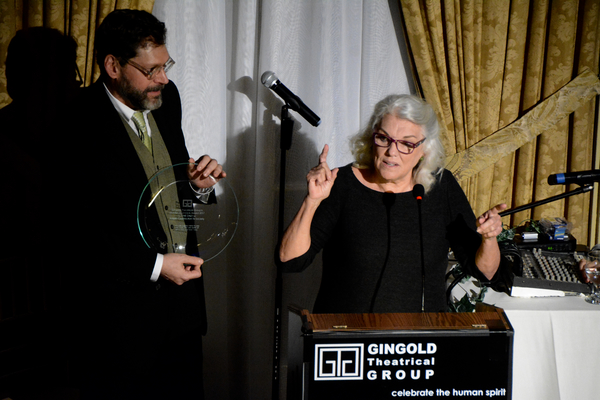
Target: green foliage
(529, 225)
(463, 305)
(471, 297)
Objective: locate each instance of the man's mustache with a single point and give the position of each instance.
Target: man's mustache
(154, 89)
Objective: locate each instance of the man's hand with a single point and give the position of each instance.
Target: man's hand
(180, 268)
(205, 172)
(582, 274)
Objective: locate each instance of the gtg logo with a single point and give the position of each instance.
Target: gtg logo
(338, 362)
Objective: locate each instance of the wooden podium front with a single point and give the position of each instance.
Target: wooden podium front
(386, 356)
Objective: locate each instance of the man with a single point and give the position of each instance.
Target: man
(138, 316)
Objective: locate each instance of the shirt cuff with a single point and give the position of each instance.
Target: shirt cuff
(157, 268)
(202, 194)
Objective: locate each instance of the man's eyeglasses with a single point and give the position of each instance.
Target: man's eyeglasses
(152, 72)
(404, 147)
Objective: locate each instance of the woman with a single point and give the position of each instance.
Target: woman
(365, 218)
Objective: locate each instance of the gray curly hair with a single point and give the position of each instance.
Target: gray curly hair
(417, 111)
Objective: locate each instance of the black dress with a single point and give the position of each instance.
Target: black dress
(366, 234)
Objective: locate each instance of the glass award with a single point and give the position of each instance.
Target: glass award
(174, 218)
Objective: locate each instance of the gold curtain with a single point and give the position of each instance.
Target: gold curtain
(485, 65)
(77, 18)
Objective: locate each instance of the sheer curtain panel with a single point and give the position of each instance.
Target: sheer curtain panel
(340, 58)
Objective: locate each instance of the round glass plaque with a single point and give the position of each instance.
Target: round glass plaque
(173, 218)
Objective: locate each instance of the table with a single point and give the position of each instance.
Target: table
(556, 346)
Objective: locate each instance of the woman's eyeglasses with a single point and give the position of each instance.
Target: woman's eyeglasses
(404, 147)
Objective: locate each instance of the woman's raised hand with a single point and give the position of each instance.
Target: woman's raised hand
(320, 179)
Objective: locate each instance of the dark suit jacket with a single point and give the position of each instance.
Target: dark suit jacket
(118, 311)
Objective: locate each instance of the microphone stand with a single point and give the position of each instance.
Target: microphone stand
(287, 128)
(579, 190)
(418, 192)
(422, 258)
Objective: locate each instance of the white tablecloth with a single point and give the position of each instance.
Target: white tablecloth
(556, 346)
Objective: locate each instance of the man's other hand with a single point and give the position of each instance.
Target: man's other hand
(205, 172)
(180, 268)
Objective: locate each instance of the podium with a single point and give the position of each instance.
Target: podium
(411, 355)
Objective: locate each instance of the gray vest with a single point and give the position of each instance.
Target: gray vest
(162, 186)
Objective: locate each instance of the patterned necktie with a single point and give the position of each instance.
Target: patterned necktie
(138, 119)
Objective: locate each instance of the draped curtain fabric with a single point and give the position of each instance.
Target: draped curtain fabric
(484, 65)
(76, 18)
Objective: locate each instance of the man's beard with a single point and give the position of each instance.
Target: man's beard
(139, 98)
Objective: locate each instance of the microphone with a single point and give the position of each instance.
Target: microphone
(579, 178)
(270, 80)
(418, 193)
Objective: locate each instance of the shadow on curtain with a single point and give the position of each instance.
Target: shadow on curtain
(76, 18)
